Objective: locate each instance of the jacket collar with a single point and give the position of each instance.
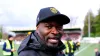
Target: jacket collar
(41, 45)
(33, 41)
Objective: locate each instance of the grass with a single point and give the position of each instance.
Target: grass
(86, 49)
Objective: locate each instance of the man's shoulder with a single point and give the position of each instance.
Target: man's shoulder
(61, 53)
(28, 53)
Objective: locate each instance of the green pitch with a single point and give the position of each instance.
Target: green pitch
(86, 49)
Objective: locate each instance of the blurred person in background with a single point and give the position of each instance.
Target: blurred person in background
(28, 33)
(97, 53)
(70, 47)
(77, 45)
(46, 40)
(8, 46)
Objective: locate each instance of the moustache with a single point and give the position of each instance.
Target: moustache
(57, 36)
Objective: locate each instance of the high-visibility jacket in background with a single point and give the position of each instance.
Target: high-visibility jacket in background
(8, 46)
(69, 47)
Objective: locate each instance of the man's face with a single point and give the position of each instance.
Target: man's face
(11, 38)
(50, 33)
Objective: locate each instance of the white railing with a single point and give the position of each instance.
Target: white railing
(91, 40)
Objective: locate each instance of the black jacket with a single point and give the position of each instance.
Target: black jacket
(34, 46)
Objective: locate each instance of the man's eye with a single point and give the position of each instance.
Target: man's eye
(59, 28)
(49, 27)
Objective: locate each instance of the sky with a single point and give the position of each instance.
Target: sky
(16, 14)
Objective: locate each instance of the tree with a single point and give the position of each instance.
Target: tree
(97, 24)
(85, 29)
(0, 32)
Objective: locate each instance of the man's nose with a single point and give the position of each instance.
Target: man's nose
(54, 30)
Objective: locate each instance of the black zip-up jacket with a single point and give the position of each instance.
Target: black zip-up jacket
(34, 46)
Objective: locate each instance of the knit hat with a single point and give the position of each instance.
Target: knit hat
(51, 13)
(11, 34)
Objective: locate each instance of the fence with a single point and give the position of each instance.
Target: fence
(91, 40)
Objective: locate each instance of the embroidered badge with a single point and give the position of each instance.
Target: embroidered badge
(53, 10)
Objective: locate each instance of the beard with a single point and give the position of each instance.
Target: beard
(52, 42)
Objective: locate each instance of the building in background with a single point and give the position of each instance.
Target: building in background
(74, 33)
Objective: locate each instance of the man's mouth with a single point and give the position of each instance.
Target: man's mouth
(53, 40)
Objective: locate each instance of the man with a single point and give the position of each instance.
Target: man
(8, 47)
(77, 45)
(45, 41)
(70, 47)
(97, 53)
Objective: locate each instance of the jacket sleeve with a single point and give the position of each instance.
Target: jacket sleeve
(28, 53)
(61, 54)
(4, 48)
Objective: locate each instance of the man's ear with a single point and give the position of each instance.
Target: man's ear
(37, 26)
